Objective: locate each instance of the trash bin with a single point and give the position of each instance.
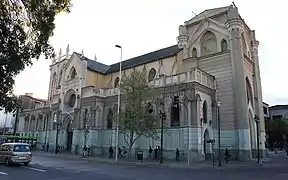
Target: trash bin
(140, 155)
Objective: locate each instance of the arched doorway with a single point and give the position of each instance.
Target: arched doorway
(252, 134)
(69, 132)
(206, 147)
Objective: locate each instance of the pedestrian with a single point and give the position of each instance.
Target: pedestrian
(156, 153)
(111, 152)
(119, 152)
(43, 148)
(150, 152)
(47, 147)
(125, 153)
(177, 154)
(227, 156)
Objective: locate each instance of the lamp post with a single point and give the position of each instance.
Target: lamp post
(257, 121)
(86, 131)
(163, 118)
(57, 122)
(118, 104)
(219, 134)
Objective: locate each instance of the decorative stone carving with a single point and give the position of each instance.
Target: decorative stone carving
(182, 30)
(60, 54)
(67, 51)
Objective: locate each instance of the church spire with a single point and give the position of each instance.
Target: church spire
(67, 50)
(95, 58)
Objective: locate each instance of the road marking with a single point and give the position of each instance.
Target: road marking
(35, 169)
(3, 173)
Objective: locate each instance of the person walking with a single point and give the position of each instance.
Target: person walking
(177, 154)
(111, 152)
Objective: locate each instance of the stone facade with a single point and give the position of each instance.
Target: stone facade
(215, 60)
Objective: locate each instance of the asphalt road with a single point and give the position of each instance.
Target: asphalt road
(56, 168)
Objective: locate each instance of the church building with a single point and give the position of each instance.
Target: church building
(214, 67)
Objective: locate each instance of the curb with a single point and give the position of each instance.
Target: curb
(175, 166)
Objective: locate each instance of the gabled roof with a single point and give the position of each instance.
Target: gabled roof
(133, 62)
(208, 13)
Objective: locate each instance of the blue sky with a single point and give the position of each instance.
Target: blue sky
(144, 26)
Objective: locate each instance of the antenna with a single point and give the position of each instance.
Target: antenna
(194, 13)
(234, 4)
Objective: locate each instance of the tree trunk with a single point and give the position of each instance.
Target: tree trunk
(131, 142)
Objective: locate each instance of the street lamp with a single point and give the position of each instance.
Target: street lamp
(219, 131)
(257, 121)
(163, 118)
(118, 105)
(57, 122)
(86, 131)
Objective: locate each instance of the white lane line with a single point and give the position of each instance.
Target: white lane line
(3, 173)
(35, 169)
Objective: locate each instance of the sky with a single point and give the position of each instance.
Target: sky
(144, 26)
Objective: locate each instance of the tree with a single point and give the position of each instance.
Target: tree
(277, 131)
(137, 118)
(25, 29)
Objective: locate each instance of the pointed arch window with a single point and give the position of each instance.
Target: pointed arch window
(116, 82)
(175, 114)
(60, 78)
(110, 119)
(151, 75)
(73, 73)
(205, 112)
(194, 52)
(249, 92)
(224, 45)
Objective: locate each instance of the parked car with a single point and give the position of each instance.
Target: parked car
(15, 153)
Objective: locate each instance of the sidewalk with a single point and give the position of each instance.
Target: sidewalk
(167, 163)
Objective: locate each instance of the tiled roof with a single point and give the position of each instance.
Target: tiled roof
(133, 62)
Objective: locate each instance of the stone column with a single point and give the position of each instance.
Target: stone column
(235, 27)
(29, 122)
(183, 41)
(258, 89)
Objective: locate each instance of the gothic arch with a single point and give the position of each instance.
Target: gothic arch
(208, 43)
(249, 92)
(194, 52)
(72, 73)
(252, 132)
(244, 44)
(205, 139)
(175, 115)
(205, 112)
(152, 74)
(60, 77)
(224, 45)
(116, 82)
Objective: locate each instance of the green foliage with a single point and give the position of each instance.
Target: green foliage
(277, 130)
(25, 29)
(135, 120)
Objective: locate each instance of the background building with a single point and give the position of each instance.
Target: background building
(278, 111)
(214, 65)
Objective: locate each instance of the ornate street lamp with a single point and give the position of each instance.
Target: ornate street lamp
(57, 122)
(219, 134)
(257, 121)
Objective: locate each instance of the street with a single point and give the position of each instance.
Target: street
(56, 168)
